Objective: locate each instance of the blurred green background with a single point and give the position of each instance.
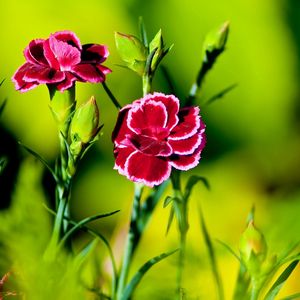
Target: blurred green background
(252, 154)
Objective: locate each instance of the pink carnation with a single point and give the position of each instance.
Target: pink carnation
(152, 135)
(61, 60)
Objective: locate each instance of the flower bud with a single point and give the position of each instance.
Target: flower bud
(132, 51)
(84, 126)
(156, 44)
(62, 105)
(253, 247)
(216, 39)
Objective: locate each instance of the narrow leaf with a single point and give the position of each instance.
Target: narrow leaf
(110, 94)
(2, 106)
(3, 162)
(143, 33)
(168, 79)
(278, 284)
(170, 220)
(82, 223)
(292, 297)
(192, 181)
(141, 272)
(212, 257)
(41, 159)
(229, 249)
(84, 253)
(2, 81)
(167, 201)
(221, 94)
(149, 61)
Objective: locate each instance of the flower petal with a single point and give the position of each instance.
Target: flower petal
(150, 115)
(103, 69)
(88, 72)
(186, 146)
(34, 52)
(94, 53)
(19, 75)
(67, 82)
(188, 125)
(42, 74)
(68, 37)
(121, 155)
(66, 55)
(121, 129)
(146, 169)
(172, 105)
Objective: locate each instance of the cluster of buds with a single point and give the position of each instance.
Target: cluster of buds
(138, 55)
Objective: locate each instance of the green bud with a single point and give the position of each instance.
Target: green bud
(156, 44)
(84, 126)
(216, 39)
(62, 106)
(253, 248)
(132, 51)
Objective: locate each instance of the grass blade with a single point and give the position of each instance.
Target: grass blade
(141, 272)
(278, 284)
(212, 257)
(143, 33)
(221, 94)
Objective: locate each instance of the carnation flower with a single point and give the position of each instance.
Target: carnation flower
(153, 134)
(61, 60)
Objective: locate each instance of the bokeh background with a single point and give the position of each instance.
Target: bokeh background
(252, 154)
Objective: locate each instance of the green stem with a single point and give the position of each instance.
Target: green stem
(147, 82)
(131, 241)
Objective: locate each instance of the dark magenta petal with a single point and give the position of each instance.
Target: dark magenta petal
(188, 125)
(42, 74)
(172, 105)
(149, 145)
(88, 72)
(150, 114)
(93, 53)
(66, 55)
(150, 170)
(67, 82)
(19, 75)
(121, 129)
(121, 155)
(68, 37)
(34, 52)
(50, 57)
(185, 162)
(103, 69)
(186, 146)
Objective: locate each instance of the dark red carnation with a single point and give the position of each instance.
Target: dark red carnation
(61, 60)
(153, 134)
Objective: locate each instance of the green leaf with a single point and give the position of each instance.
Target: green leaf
(41, 159)
(278, 284)
(167, 201)
(143, 32)
(85, 252)
(227, 247)
(191, 183)
(3, 162)
(141, 272)
(170, 219)
(212, 258)
(82, 223)
(221, 94)
(168, 78)
(2, 106)
(110, 94)
(292, 297)
(2, 81)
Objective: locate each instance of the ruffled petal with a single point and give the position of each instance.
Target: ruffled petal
(88, 72)
(68, 37)
(121, 155)
(66, 55)
(94, 53)
(146, 169)
(34, 52)
(42, 74)
(67, 82)
(103, 69)
(185, 162)
(186, 146)
(172, 105)
(151, 115)
(188, 125)
(121, 129)
(19, 75)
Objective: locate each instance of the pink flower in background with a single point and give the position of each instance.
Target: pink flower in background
(61, 60)
(152, 135)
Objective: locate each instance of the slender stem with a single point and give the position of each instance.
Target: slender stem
(111, 96)
(147, 82)
(131, 241)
